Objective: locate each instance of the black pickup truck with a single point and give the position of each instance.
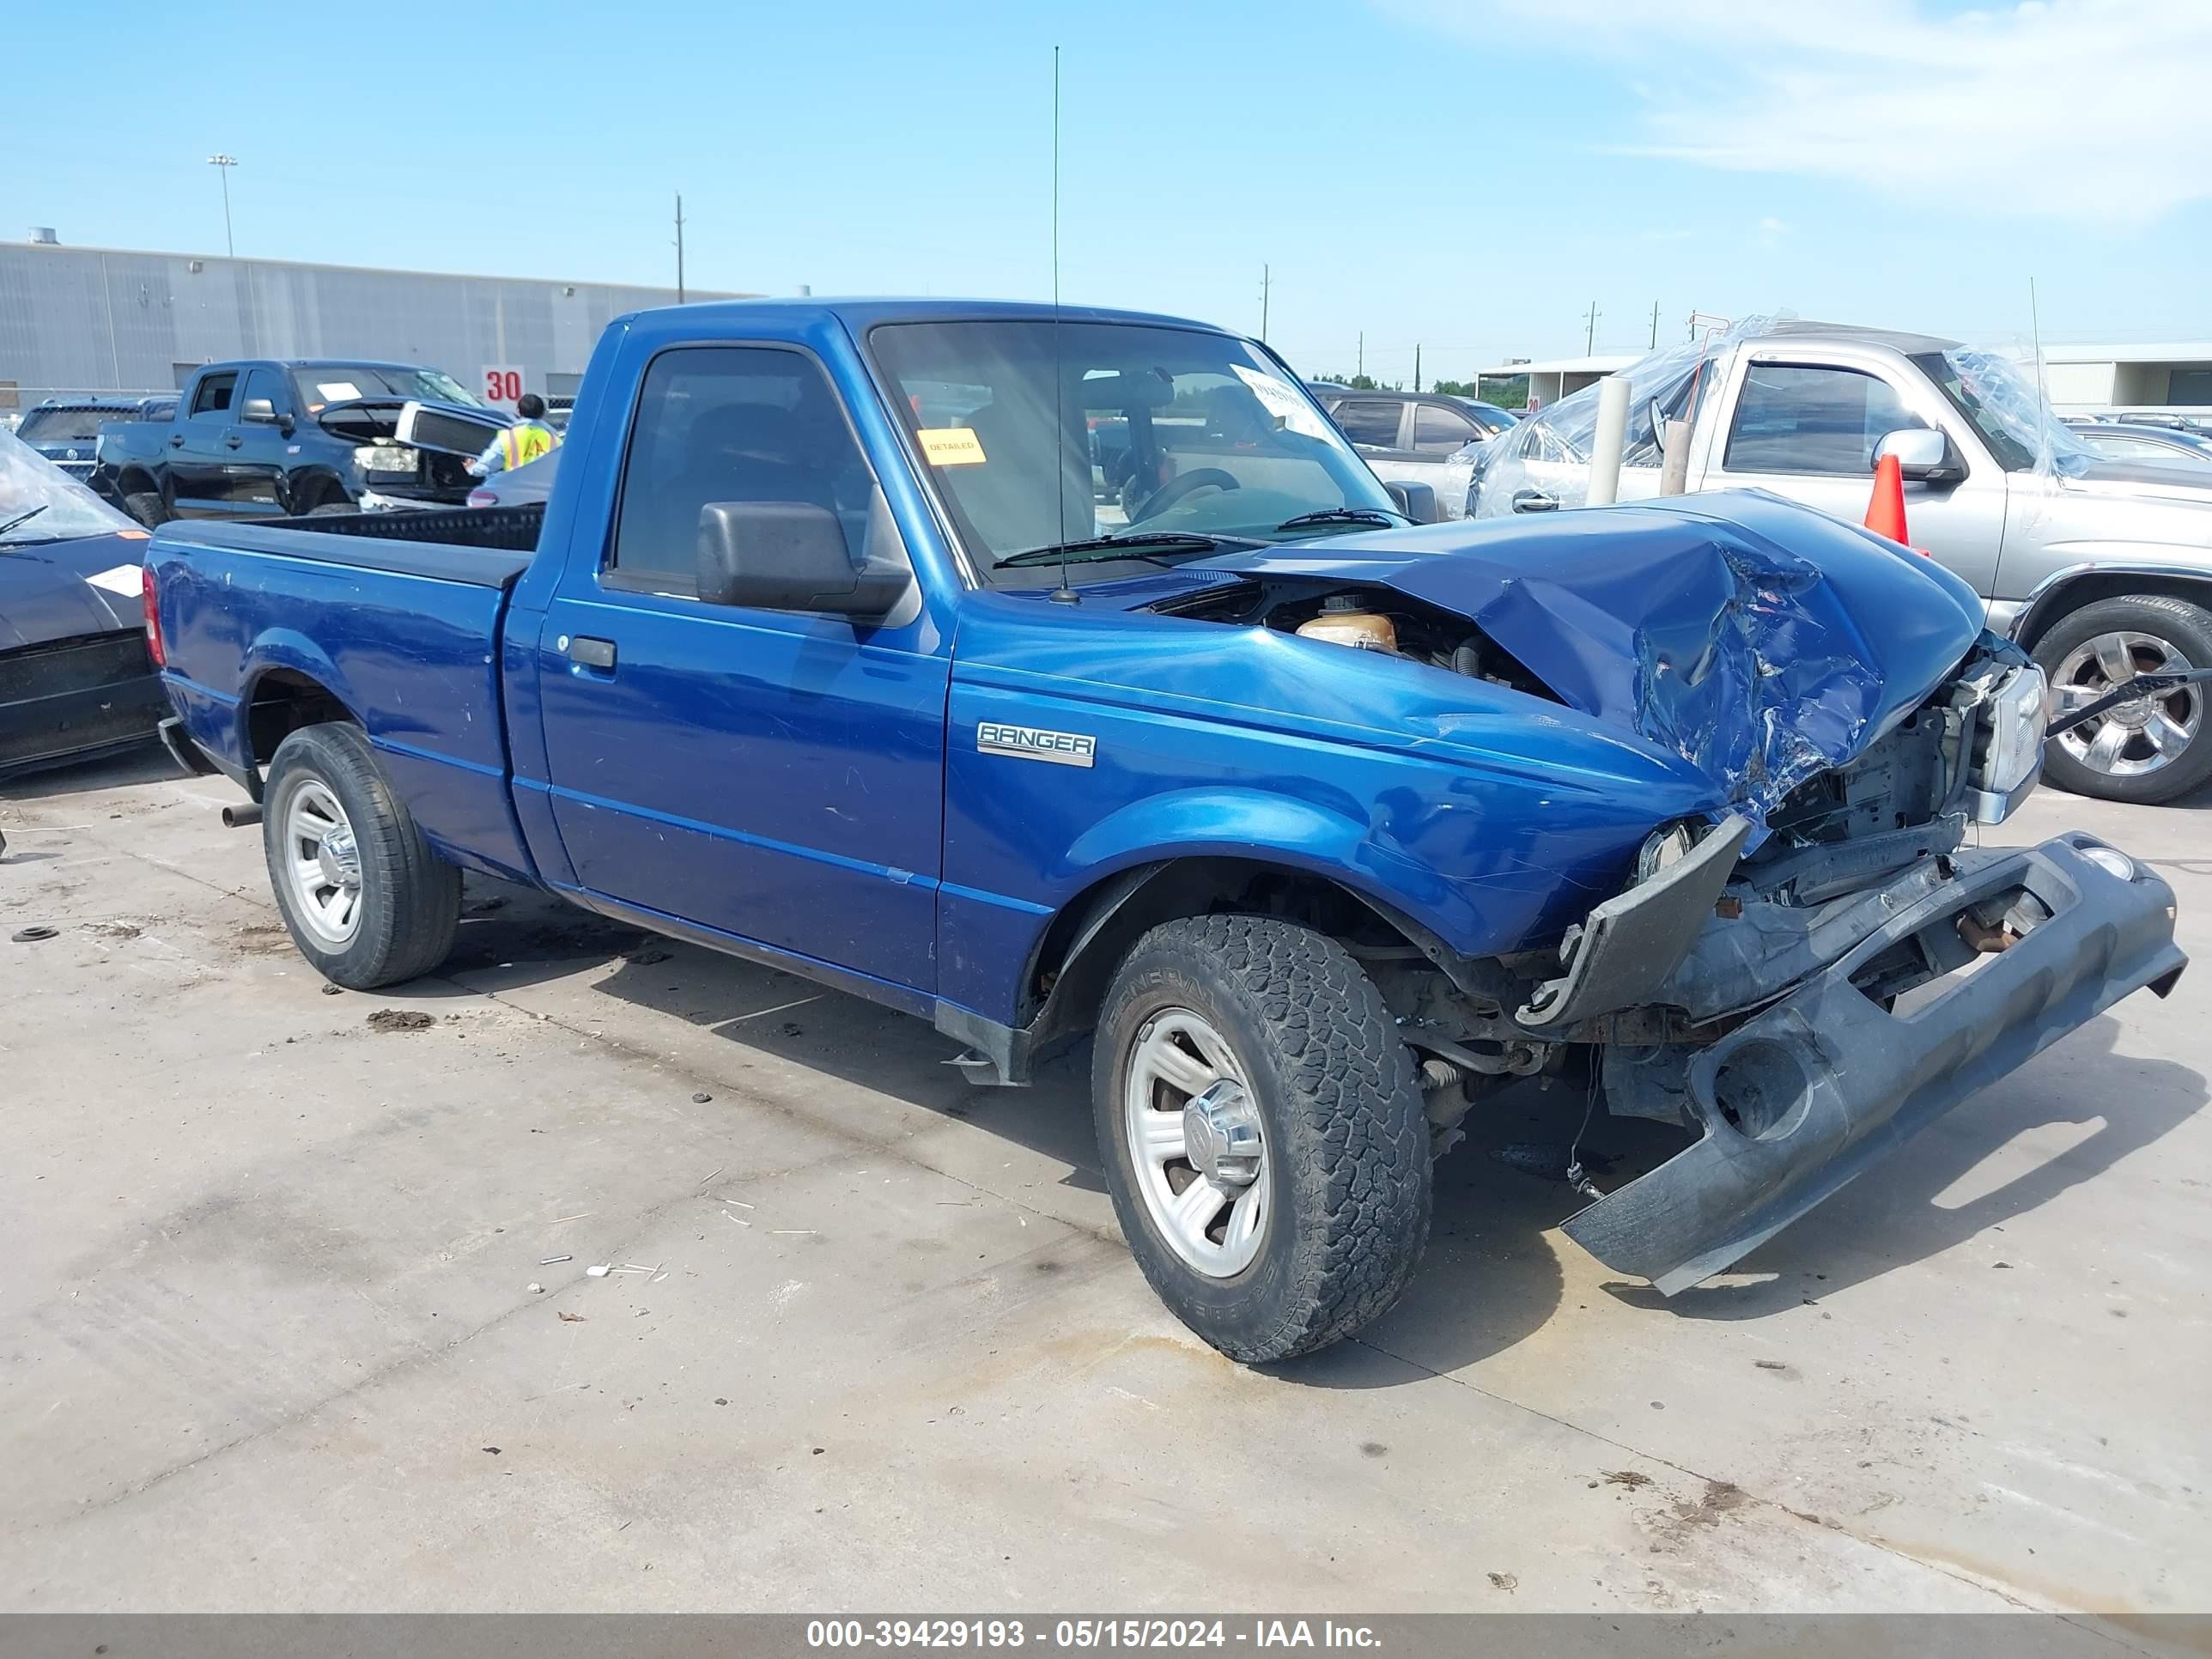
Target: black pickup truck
(269, 439)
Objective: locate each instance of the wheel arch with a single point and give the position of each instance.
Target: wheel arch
(1075, 955)
(281, 695)
(2068, 591)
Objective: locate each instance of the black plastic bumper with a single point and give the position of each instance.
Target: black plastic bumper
(1801, 1099)
(77, 698)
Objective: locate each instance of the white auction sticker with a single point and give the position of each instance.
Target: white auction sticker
(128, 579)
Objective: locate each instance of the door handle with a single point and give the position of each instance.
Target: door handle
(233, 440)
(176, 440)
(587, 653)
(1534, 501)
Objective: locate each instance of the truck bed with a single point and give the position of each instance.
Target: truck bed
(396, 615)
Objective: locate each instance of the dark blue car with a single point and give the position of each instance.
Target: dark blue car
(75, 678)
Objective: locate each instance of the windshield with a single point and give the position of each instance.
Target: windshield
(322, 384)
(29, 481)
(2003, 404)
(1159, 430)
(67, 426)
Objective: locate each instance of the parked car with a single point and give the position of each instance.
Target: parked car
(266, 438)
(66, 431)
(2128, 441)
(518, 486)
(1324, 824)
(75, 676)
(1429, 437)
(2101, 568)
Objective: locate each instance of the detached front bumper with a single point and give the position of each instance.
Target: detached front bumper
(1802, 1098)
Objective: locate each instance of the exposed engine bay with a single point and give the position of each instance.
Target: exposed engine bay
(1376, 619)
(409, 453)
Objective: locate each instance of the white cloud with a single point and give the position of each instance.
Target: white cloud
(2095, 110)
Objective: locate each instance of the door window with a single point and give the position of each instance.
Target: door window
(1792, 419)
(1372, 422)
(211, 399)
(728, 423)
(264, 383)
(1438, 431)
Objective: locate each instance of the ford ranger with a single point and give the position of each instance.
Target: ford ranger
(1324, 824)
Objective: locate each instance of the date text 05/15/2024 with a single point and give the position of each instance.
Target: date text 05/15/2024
(1082, 1633)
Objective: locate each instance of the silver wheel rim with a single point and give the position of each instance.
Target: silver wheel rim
(321, 863)
(1196, 1142)
(2136, 738)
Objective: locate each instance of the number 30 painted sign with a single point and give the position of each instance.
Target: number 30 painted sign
(501, 384)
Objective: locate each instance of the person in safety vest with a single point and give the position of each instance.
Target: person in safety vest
(521, 443)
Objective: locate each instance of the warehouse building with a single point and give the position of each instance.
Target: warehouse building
(76, 321)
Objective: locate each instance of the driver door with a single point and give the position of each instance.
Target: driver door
(774, 777)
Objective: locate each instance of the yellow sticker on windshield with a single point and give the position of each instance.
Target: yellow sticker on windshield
(951, 446)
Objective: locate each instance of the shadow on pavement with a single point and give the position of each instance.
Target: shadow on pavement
(145, 763)
(1889, 1217)
(1491, 1277)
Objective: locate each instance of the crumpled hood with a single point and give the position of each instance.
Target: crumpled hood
(1762, 642)
(47, 593)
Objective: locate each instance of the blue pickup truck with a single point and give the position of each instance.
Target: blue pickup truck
(1325, 823)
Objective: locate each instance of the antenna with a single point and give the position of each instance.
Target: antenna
(679, 247)
(1590, 335)
(1266, 282)
(1063, 594)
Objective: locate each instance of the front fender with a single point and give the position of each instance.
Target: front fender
(1298, 834)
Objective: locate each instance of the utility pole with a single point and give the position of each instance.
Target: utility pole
(1360, 369)
(679, 247)
(1589, 334)
(1416, 368)
(223, 162)
(1266, 282)
(1655, 325)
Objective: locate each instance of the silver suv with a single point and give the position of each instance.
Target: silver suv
(2101, 568)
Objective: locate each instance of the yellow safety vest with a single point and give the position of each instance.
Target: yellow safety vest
(519, 446)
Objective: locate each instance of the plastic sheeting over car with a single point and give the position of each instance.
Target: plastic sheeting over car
(1760, 640)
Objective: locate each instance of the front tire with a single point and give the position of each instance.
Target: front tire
(148, 507)
(1288, 1206)
(364, 896)
(2147, 751)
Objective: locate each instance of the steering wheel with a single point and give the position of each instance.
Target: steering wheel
(1176, 489)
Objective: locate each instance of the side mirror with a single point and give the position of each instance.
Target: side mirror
(257, 411)
(786, 556)
(1923, 454)
(1417, 502)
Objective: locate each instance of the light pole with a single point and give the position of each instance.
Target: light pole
(225, 162)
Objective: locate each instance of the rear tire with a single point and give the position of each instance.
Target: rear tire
(1342, 1189)
(405, 901)
(2146, 753)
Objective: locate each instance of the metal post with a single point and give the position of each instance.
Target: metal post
(1589, 334)
(1266, 282)
(679, 247)
(1606, 443)
(1416, 368)
(222, 163)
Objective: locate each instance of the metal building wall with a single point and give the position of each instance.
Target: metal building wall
(76, 320)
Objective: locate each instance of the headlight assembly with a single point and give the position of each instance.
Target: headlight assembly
(2008, 744)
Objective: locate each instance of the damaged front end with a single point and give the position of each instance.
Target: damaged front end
(1818, 965)
(407, 453)
(1806, 1008)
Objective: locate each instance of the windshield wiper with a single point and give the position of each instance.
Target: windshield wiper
(1094, 550)
(1374, 515)
(23, 518)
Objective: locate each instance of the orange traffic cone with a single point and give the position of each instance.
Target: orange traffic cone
(1885, 514)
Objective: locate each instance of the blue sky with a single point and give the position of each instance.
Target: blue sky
(1468, 174)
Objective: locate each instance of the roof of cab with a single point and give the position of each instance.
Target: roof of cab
(860, 315)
